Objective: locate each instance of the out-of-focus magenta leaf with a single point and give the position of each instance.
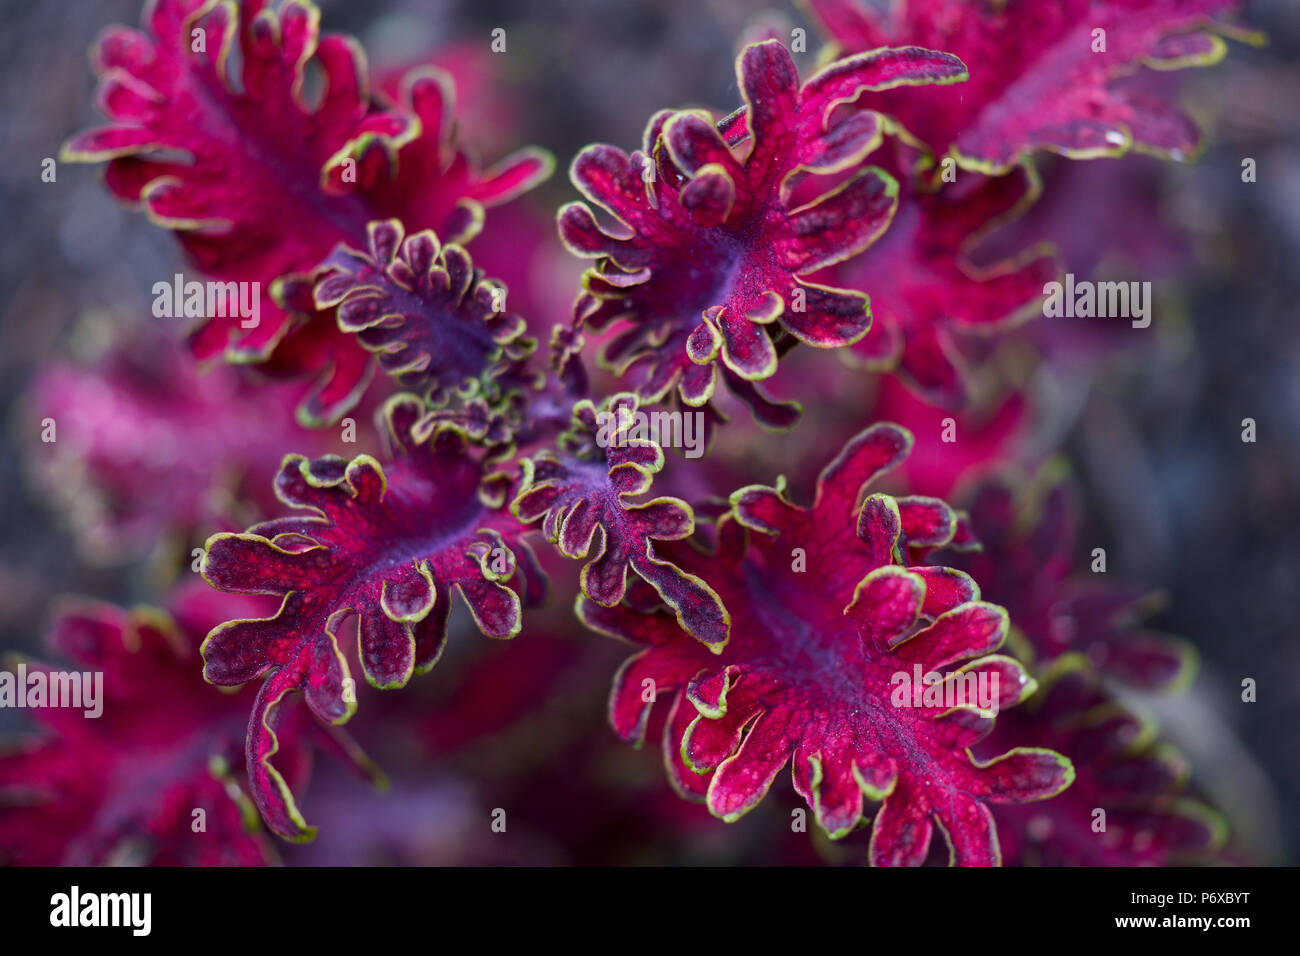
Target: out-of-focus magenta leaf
(1123, 770)
(1025, 561)
(924, 287)
(124, 787)
(148, 452)
(1043, 76)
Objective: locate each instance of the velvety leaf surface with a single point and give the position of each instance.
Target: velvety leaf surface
(1036, 81)
(212, 134)
(826, 611)
(386, 545)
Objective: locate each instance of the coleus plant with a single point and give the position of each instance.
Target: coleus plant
(815, 212)
(226, 161)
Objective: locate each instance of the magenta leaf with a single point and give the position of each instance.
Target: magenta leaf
(434, 323)
(1026, 562)
(924, 287)
(150, 454)
(992, 430)
(384, 544)
(709, 256)
(585, 499)
(825, 615)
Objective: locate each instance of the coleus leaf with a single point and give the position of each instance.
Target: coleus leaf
(258, 184)
(924, 287)
(827, 609)
(122, 787)
(585, 497)
(710, 254)
(384, 544)
(992, 432)
(434, 322)
(1027, 538)
(1040, 79)
(1138, 782)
